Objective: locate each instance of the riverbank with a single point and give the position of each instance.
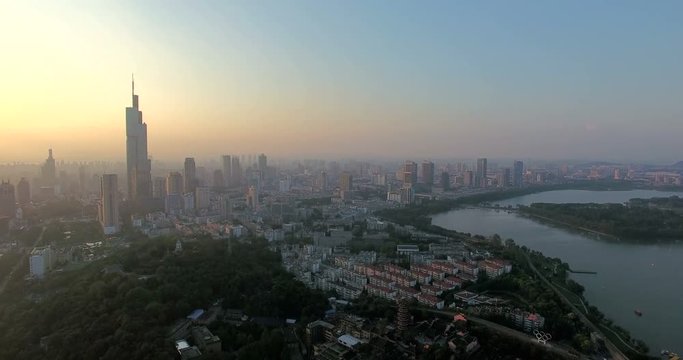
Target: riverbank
(552, 221)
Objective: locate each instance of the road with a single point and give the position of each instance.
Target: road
(19, 263)
(613, 350)
(551, 348)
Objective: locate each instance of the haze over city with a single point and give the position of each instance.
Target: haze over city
(572, 80)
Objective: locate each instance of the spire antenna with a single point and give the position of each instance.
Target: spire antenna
(132, 78)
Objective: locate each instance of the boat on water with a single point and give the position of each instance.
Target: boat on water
(638, 312)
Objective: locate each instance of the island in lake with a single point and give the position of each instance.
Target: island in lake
(638, 219)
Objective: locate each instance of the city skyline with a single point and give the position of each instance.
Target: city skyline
(582, 81)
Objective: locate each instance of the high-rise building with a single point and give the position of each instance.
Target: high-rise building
(480, 176)
(23, 192)
(49, 170)
(262, 163)
(202, 197)
(410, 172)
(174, 183)
(138, 163)
(518, 174)
(445, 180)
(346, 181)
(226, 207)
(236, 172)
(253, 198)
(468, 178)
(227, 173)
(428, 172)
(190, 175)
(109, 204)
(218, 178)
(82, 179)
(322, 181)
(8, 204)
(159, 188)
(503, 178)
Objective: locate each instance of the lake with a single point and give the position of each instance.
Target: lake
(630, 276)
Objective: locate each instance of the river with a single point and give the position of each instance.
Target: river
(629, 276)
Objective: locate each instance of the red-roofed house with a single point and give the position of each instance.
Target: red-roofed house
(430, 300)
(381, 291)
(406, 291)
(431, 290)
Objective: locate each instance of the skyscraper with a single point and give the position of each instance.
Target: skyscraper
(227, 173)
(253, 198)
(322, 181)
(236, 172)
(49, 171)
(428, 172)
(190, 175)
(468, 178)
(410, 172)
(138, 164)
(262, 163)
(174, 183)
(503, 178)
(218, 178)
(173, 203)
(518, 174)
(23, 192)
(159, 188)
(109, 204)
(480, 175)
(7, 200)
(445, 180)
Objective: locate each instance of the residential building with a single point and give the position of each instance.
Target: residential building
(23, 192)
(428, 172)
(159, 188)
(346, 181)
(480, 176)
(109, 204)
(468, 178)
(227, 170)
(518, 174)
(253, 198)
(8, 204)
(409, 172)
(202, 197)
(236, 172)
(40, 261)
(190, 176)
(445, 180)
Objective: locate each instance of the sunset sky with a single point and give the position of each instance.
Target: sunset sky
(405, 79)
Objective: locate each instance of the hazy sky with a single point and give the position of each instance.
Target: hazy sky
(556, 79)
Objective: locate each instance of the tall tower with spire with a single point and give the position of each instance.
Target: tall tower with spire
(138, 163)
(49, 171)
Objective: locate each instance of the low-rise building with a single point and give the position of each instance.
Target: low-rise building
(207, 342)
(381, 291)
(430, 300)
(406, 249)
(431, 290)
